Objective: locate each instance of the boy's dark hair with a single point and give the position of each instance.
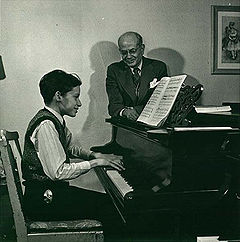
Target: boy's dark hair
(57, 80)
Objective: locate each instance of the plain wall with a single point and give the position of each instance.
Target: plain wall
(80, 36)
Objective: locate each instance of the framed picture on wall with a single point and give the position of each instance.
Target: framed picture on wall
(225, 40)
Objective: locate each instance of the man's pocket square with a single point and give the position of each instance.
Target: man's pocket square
(154, 82)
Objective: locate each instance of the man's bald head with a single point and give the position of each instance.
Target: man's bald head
(130, 36)
(131, 48)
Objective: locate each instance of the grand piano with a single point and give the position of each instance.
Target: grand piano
(180, 181)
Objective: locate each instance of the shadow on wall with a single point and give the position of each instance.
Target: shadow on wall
(173, 59)
(95, 130)
(175, 64)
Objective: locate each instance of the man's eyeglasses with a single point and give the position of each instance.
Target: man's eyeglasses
(131, 51)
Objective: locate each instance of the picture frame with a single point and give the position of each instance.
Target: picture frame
(225, 40)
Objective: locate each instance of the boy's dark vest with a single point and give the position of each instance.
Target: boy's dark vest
(32, 169)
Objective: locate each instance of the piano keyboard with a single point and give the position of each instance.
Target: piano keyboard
(119, 182)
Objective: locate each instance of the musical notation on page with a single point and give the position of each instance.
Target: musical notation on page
(160, 103)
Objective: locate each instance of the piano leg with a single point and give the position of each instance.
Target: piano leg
(155, 226)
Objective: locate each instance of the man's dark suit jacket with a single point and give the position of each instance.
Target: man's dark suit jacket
(121, 89)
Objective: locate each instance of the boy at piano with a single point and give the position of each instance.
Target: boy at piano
(46, 164)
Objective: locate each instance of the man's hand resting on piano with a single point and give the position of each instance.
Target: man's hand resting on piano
(114, 161)
(130, 113)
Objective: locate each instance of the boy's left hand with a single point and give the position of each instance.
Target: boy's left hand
(107, 156)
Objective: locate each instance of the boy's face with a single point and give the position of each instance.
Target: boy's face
(70, 102)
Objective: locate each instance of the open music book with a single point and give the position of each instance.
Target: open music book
(160, 103)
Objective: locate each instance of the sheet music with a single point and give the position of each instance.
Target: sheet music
(153, 103)
(160, 103)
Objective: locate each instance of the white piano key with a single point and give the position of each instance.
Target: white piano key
(119, 182)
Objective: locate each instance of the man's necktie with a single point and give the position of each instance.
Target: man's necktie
(136, 76)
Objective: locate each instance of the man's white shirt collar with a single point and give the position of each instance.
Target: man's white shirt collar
(58, 115)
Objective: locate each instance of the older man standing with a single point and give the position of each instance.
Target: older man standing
(128, 81)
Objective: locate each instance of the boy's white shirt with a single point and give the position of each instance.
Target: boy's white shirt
(52, 155)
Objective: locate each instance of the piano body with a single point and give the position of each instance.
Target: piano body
(175, 181)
